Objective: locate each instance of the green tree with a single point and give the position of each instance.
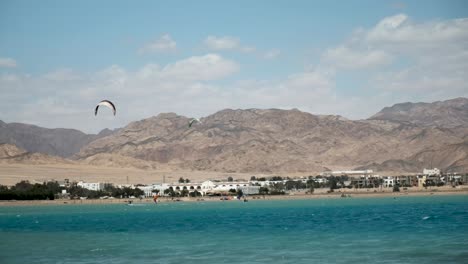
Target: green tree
(138, 192)
(54, 187)
(27, 191)
(263, 190)
(290, 185)
(184, 193)
(195, 194)
(230, 179)
(23, 186)
(277, 188)
(170, 192)
(181, 180)
(332, 182)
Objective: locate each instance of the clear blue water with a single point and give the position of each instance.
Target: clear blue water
(367, 230)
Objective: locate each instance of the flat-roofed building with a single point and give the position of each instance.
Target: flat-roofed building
(431, 172)
(209, 187)
(388, 182)
(94, 186)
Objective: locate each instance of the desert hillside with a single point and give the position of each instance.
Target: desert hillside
(403, 138)
(56, 142)
(450, 113)
(278, 141)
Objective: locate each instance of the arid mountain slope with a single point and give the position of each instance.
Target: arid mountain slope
(12, 154)
(450, 113)
(57, 142)
(405, 137)
(272, 141)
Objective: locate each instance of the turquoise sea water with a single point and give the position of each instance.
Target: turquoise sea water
(352, 230)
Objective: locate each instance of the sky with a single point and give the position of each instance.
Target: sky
(58, 59)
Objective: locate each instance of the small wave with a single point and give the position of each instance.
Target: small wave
(96, 249)
(426, 217)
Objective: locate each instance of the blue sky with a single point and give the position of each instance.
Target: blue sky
(350, 58)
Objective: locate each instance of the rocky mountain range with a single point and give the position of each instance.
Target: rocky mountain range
(402, 138)
(12, 154)
(57, 142)
(450, 113)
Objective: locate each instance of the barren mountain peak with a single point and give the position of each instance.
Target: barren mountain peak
(449, 113)
(277, 140)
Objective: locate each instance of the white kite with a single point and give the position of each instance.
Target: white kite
(193, 121)
(105, 103)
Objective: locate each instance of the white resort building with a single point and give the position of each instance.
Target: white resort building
(94, 186)
(388, 182)
(205, 188)
(431, 172)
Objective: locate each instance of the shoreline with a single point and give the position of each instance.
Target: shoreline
(334, 195)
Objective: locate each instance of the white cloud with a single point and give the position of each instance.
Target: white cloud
(203, 68)
(414, 70)
(9, 78)
(227, 43)
(399, 29)
(222, 43)
(437, 50)
(345, 57)
(57, 100)
(272, 54)
(187, 87)
(392, 22)
(423, 58)
(425, 78)
(8, 63)
(163, 44)
(196, 68)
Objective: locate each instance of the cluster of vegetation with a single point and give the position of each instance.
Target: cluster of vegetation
(273, 178)
(25, 190)
(109, 190)
(182, 180)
